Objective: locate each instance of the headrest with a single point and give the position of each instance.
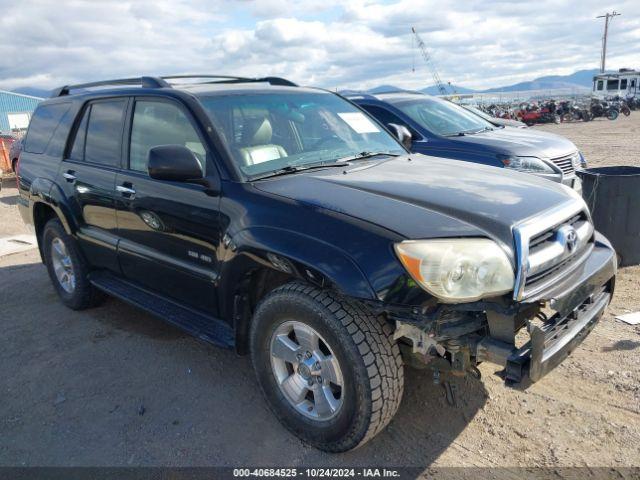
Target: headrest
(257, 132)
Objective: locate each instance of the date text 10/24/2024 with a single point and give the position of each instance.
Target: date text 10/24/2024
(316, 472)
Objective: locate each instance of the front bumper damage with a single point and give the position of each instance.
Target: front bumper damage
(469, 334)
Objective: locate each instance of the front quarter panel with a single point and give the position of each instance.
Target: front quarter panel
(321, 246)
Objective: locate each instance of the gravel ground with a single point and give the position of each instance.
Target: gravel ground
(113, 386)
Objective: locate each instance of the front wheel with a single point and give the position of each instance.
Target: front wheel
(612, 114)
(329, 369)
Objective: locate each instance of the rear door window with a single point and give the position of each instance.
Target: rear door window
(45, 120)
(103, 144)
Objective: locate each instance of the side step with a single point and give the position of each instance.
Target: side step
(206, 328)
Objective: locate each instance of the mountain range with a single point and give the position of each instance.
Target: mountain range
(582, 79)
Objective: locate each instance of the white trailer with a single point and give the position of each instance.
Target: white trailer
(625, 83)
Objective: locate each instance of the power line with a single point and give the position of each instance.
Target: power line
(603, 55)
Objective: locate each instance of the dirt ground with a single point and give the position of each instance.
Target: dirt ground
(113, 386)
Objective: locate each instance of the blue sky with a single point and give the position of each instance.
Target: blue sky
(333, 44)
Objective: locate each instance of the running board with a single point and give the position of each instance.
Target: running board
(206, 328)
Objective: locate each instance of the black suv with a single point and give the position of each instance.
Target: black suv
(286, 223)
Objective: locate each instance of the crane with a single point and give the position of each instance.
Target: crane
(429, 62)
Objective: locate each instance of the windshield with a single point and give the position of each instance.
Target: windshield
(270, 131)
(478, 112)
(442, 117)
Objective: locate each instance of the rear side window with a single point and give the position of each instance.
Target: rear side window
(103, 143)
(45, 120)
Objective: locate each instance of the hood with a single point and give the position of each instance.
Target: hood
(419, 196)
(522, 142)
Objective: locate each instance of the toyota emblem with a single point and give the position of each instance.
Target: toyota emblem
(568, 237)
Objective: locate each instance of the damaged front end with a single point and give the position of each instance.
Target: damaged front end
(561, 292)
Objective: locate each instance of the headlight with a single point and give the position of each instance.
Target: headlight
(526, 164)
(457, 270)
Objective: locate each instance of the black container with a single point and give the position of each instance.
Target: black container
(613, 196)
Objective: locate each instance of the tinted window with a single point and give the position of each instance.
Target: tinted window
(600, 84)
(77, 152)
(44, 122)
(612, 84)
(104, 132)
(160, 123)
(623, 84)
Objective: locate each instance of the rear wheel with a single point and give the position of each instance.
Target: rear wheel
(67, 267)
(329, 369)
(612, 114)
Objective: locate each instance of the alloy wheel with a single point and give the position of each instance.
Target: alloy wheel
(306, 370)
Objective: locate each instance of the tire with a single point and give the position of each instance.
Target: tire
(529, 123)
(78, 294)
(14, 165)
(369, 363)
(612, 114)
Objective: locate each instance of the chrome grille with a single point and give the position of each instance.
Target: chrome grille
(566, 163)
(551, 246)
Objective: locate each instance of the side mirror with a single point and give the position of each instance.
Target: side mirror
(174, 162)
(403, 134)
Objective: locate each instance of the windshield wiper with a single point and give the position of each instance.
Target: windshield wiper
(362, 155)
(469, 132)
(289, 169)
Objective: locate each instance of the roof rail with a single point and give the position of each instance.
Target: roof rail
(145, 82)
(161, 82)
(230, 79)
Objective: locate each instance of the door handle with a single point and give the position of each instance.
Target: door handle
(69, 176)
(126, 191)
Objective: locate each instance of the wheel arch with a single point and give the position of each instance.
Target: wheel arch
(262, 259)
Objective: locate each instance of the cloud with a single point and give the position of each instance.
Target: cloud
(356, 44)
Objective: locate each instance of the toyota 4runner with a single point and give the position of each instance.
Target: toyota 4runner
(287, 224)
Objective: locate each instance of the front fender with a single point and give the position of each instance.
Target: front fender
(293, 253)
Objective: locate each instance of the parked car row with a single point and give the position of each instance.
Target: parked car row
(289, 224)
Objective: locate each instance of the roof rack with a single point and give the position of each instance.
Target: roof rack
(145, 82)
(229, 79)
(161, 82)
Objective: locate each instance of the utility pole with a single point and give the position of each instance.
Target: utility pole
(603, 55)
